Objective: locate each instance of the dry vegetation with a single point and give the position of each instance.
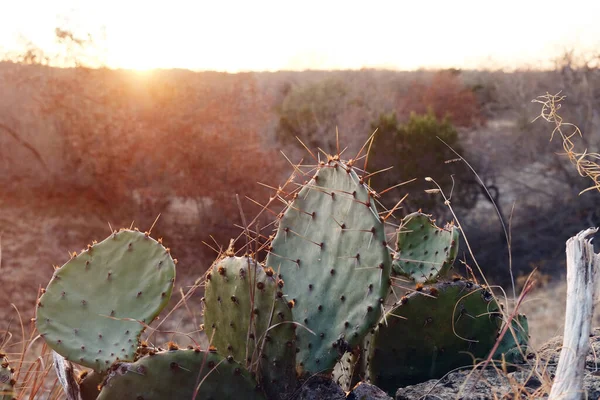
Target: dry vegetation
(82, 148)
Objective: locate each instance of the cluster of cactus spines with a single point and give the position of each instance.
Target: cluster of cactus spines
(7, 382)
(247, 317)
(513, 346)
(430, 332)
(424, 251)
(97, 304)
(330, 250)
(180, 374)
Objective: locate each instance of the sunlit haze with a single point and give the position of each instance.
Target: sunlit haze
(272, 35)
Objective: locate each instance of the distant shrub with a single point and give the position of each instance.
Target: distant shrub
(139, 146)
(414, 151)
(446, 96)
(312, 112)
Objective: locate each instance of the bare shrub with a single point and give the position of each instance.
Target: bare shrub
(446, 96)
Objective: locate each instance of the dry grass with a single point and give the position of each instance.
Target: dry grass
(31, 360)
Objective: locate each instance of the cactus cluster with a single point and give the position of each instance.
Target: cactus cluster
(318, 304)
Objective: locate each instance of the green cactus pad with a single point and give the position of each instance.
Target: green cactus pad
(512, 349)
(330, 250)
(244, 317)
(424, 251)
(431, 332)
(97, 304)
(178, 374)
(7, 383)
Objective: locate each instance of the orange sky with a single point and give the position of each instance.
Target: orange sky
(270, 35)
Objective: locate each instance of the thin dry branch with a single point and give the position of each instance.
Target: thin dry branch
(586, 163)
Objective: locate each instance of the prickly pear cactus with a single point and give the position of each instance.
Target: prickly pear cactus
(330, 250)
(431, 332)
(7, 383)
(180, 374)
(246, 316)
(97, 304)
(424, 251)
(513, 350)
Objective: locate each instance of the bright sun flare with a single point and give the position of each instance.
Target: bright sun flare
(234, 36)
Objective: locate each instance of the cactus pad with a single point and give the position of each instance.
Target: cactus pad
(246, 318)
(512, 349)
(178, 374)
(97, 304)
(424, 251)
(330, 250)
(430, 333)
(7, 383)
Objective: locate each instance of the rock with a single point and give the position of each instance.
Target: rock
(319, 388)
(492, 385)
(366, 391)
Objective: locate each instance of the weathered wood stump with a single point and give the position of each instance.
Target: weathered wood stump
(582, 266)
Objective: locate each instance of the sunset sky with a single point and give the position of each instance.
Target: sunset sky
(271, 35)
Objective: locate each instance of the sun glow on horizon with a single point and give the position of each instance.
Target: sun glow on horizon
(270, 35)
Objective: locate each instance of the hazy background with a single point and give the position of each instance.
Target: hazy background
(116, 112)
(270, 35)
